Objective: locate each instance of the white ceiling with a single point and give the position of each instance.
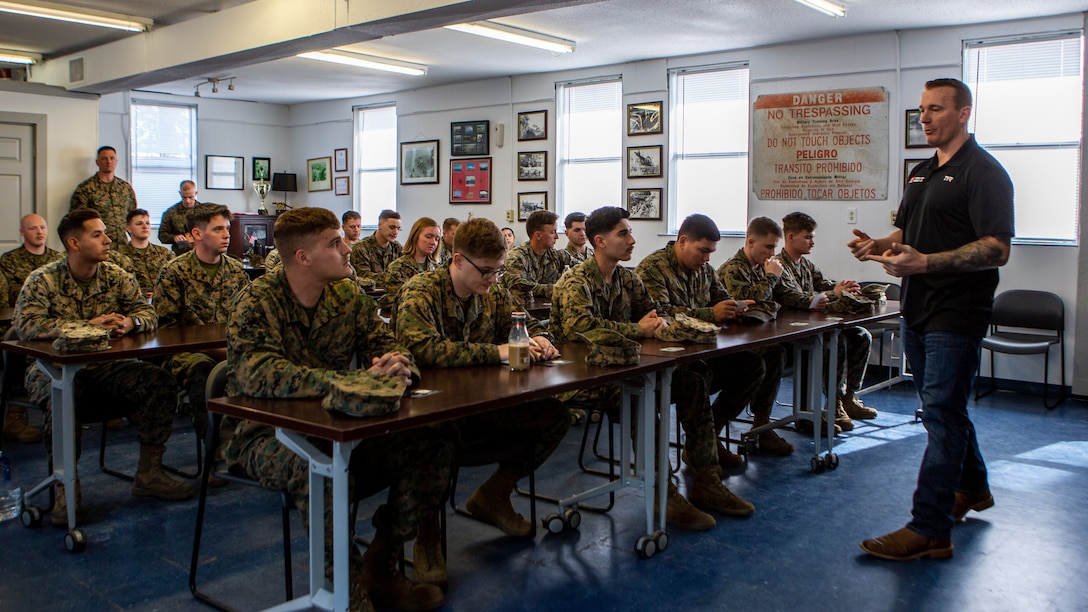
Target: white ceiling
(606, 32)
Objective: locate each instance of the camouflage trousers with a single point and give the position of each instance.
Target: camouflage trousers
(544, 421)
(854, 346)
(191, 371)
(112, 389)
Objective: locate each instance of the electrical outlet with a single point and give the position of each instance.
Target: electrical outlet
(852, 216)
(893, 215)
(509, 215)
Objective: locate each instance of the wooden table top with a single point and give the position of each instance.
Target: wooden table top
(164, 341)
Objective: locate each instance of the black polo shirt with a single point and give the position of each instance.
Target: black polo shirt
(944, 208)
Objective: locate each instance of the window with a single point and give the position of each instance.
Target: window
(163, 154)
(589, 144)
(375, 161)
(709, 146)
(1041, 154)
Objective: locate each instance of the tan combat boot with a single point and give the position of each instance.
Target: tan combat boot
(59, 514)
(681, 514)
(708, 493)
(491, 503)
(387, 587)
(429, 563)
(152, 481)
(842, 420)
(855, 409)
(771, 443)
(17, 428)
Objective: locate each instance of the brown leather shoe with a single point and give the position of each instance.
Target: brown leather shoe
(905, 545)
(965, 502)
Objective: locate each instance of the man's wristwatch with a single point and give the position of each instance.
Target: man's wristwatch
(137, 325)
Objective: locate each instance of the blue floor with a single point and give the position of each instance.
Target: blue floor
(798, 551)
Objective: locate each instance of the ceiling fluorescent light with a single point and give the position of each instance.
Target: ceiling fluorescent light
(18, 57)
(58, 12)
(366, 61)
(825, 7)
(506, 33)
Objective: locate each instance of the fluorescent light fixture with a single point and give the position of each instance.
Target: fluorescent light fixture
(18, 57)
(359, 60)
(506, 33)
(825, 7)
(59, 12)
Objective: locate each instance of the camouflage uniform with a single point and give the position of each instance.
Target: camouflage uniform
(800, 282)
(441, 330)
(445, 253)
(18, 263)
(173, 224)
(51, 297)
(184, 295)
(529, 275)
(370, 260)
(273, 260)
(147, 263)
(112, 200)
(278, 348)
(576, 257)
(399, 272)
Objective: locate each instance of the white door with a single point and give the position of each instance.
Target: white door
(16, 180)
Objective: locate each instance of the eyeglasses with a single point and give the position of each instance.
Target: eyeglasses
(486, 274)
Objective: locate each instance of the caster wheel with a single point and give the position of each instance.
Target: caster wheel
(646, 547)
(32, 516)
(917, 414)
(661, 539)
(75, 541)
(817, 465)
(595, 417)
(554, 523)
(572, 518)
(832, 461)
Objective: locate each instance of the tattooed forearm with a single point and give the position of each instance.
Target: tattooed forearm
(982, 254)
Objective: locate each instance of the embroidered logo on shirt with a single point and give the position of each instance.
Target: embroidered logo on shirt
(949, 179)
(917, 179)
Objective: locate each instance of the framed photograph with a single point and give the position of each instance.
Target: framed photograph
(342, 185)
(319, 174)
(533, 166)
(262, 169)
(470, 181)
(223, 172)
(533, 125)
(915, 136)
(644, 162)
(470, 138)
(340, 160)
(908, 165)
(419, 162)
(644, 118)
(644, 203)
(530, 202)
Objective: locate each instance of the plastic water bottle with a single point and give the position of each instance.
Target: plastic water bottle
(11, 497)
(518, 343)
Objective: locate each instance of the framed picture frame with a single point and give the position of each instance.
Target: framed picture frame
(533, 125)
(644, 162)
(419, 162)
(340, 160)
(223, 172)
(908, 165)
(469, 138)
(644, 118)
(470, 180)
(533, 166)
(644, 203)
(319, 174)
(530, 202)
(262, 169)
(914, 135)
(342, 185)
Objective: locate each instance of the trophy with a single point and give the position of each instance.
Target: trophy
(262, 188)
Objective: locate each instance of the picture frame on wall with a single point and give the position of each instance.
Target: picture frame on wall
(644, 162)
(533, 166)
(319, 174)
(223, 172)
(419, 162)
(908, 166)
(469, 138)
(342, 185)
(915, 135)
(533, 125)
(530, 202)
(262, 169)
(340, 160)
(644, 118)
(644, 204)
(470, 180)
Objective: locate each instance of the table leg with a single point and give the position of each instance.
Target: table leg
(660, 486)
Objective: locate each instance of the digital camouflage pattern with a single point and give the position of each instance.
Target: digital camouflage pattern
(577, 257)
(688, 329)
(399, 272)
(273, 260)
(370, 260)
(445, 253)
(528, 275)
(610, 348)
(18, 263)
(360, 393)
(112, 200)
(745, 282)
(146, 262)
(679, 290)
(173, 224)
(82, 338)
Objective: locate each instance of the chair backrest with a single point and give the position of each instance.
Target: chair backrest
(217, 381)
(1029, 309)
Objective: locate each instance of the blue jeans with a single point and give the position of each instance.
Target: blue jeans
(944, 365)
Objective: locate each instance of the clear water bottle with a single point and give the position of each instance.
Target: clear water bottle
(11, 497)
(519, 343)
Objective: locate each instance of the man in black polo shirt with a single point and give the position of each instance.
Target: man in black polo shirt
(955, 224)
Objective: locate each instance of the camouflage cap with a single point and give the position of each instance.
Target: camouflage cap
(760, 312)
(688, 329)
(82, 338)
(608, 347)
(851, 303)
(362, 394)
(877, 292)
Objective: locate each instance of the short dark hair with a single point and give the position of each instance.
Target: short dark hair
(572, 218)
(797, 222)
(136, 212)
(962, 96)
(763, 226)
(72, 223)
(388, 214)
(201, 216)
(479, 237)
(449, 223)
(351, 214)
(538, 220)
(297, 227)
(104, 148)
(602, 220)
(182, 184)
(699, 227)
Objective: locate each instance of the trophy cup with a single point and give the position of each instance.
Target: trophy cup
(262, 188)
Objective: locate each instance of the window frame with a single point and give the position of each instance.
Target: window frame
(563, 135)
(156, 210)
(359, 171)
